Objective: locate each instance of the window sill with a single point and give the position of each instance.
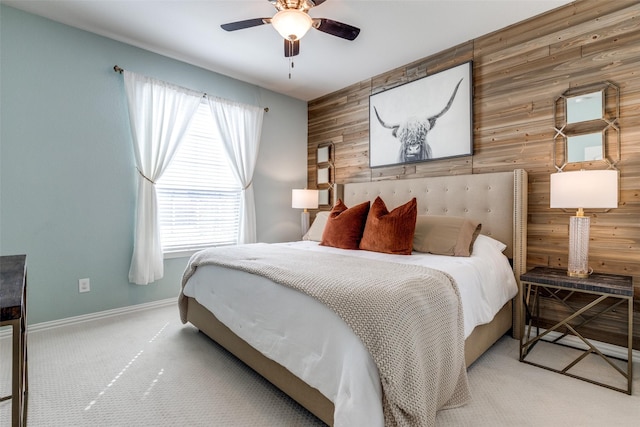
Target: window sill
(188, 252)
(179, 254)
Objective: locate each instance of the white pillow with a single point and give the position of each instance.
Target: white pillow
(317, 228)
(483, 241)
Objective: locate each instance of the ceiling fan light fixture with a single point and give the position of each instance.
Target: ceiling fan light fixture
(292, 24)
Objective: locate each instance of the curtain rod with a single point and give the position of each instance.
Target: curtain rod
(118, 69)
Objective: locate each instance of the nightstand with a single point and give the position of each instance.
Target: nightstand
(554, 283)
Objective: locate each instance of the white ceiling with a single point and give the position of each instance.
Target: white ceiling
(393, 33)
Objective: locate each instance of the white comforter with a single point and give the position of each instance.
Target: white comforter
(316, 345)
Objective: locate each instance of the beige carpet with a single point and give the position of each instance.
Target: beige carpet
(147, 369)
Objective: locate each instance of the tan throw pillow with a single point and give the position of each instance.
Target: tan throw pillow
(390, 232)
(445, 235)
(345, 226)
(317, 227)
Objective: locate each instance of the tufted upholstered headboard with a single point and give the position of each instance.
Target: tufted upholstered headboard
(497, 200)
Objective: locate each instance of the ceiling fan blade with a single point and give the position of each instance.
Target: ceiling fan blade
(291, 48)
(317, 2)
(240, 25)
(336, 28)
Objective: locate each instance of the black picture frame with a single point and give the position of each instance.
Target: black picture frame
(430, 118)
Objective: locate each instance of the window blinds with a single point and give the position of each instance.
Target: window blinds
(198, 196)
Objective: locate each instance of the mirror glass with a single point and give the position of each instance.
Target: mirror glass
(584, 148)
(323, 175)
(323, 154)
(323, 197)
(585, 107)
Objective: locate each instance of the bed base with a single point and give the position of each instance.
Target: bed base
(476, 344)
(497, 200)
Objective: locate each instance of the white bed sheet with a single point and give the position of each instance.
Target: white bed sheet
(313, 343)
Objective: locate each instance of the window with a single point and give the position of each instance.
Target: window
(198, 196)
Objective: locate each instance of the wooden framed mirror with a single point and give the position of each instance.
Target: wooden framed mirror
(324, 173)
(586, 125)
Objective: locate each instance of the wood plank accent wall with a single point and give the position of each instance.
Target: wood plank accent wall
(518, 73)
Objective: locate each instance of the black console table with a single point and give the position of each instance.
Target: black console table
(13, 312)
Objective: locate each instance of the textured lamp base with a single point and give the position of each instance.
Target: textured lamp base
(578, 246)
(304, 222)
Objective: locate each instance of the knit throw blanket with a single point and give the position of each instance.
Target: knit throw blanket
(408, 317)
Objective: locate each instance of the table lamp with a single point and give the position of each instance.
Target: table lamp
(580, 190)
(304, 199)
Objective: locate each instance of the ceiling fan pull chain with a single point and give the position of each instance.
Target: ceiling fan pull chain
(290, 59)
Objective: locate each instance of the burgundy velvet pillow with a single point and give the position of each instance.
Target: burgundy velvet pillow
(390, 232)
(345, 226)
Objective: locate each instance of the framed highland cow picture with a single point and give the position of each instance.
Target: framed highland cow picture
(426, 119)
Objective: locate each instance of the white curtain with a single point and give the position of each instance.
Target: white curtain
(159, 114)
(240, 127)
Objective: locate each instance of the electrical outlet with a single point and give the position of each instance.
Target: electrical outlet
(84, 285)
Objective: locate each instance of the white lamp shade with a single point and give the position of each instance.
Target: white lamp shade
(585, 189)
(292, 24)
(304, 199)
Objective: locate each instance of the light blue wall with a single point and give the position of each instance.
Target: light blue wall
(67, 175)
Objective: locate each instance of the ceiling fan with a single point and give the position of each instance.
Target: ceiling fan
(292, 21)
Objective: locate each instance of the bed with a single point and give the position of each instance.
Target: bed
(497, 200)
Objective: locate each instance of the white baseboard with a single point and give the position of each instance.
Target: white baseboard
(606, 348)
(42, 326)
